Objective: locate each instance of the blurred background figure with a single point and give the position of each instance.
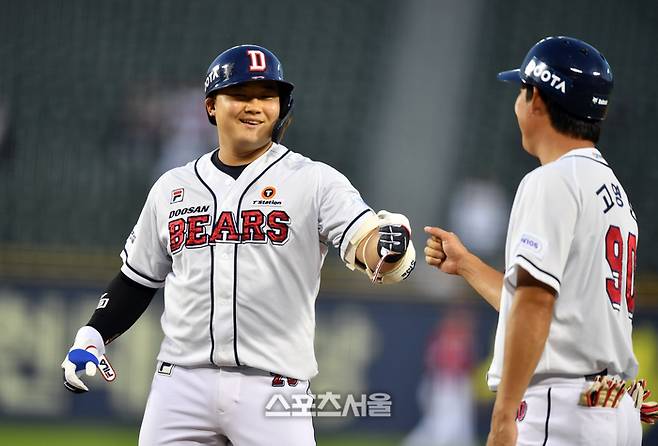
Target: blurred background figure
(186, 134)
(479, 208)
(445, 392)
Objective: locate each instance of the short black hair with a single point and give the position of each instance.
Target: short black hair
(564, 122)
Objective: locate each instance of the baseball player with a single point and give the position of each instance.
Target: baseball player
(567, 296)
(237, 239)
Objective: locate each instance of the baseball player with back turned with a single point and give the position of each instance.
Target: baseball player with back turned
(237, 239)
(566, 299)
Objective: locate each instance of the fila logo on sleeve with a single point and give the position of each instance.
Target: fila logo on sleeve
(177, 195)
(257, 60)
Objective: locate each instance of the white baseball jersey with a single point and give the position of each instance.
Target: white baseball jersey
(573, 228)
(240, 259)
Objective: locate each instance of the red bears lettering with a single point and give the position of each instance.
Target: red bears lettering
(225, 229)
(256, 228)
(196, 233)
(252, 225)
(176, 235)
(278, 222)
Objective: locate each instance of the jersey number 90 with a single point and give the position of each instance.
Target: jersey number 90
(614, 254)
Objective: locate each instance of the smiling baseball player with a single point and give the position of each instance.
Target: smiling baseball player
(567, 296)
(237, 239)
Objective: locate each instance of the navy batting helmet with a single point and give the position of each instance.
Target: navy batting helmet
(569, 71)
(247, 63)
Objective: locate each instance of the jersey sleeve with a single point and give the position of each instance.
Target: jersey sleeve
(145, 256)
(341, 209)
(542, 228)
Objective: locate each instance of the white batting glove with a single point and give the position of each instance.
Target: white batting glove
(83, 357)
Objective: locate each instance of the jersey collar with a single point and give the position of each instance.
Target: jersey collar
(586, 152)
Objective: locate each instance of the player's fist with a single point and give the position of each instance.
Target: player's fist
(394, 236)
(444, 250)
(83, 358)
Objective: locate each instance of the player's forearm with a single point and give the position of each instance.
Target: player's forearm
(484, 279)
(527, 330)
(367, 254)
(121, 305)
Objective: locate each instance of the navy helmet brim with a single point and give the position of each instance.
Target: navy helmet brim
(510, 76)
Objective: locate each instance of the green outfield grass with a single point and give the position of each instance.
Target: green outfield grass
(39, 435)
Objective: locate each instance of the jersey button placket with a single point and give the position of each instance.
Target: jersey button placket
(224, 269)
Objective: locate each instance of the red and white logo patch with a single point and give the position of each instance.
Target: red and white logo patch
(177, 195)
(257, 60)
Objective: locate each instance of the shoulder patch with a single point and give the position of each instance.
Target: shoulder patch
(532, 243)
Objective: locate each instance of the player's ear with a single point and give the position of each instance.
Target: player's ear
(538, 105)
(210, 105)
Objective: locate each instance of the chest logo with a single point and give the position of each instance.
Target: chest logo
(177, 195)
(268, 193)
(253, 226)
(267, 196)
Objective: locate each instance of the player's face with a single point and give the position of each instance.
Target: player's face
(523, 110)
(246, 115)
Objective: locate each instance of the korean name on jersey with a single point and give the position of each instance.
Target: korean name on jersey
(572, 227)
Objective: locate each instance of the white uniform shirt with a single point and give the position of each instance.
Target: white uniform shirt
(242, 302)
(573, 228)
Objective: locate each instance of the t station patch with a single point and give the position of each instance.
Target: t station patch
(268, 193)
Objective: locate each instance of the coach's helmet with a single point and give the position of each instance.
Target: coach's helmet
(246, 63)
(569, 71)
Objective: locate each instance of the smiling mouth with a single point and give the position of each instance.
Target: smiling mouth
(251, 122)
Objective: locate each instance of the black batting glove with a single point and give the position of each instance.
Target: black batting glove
(393, 242)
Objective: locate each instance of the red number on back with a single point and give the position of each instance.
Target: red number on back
(614, 254)
(630, 273)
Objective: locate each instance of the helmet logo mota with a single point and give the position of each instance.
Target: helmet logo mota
(268, 193)
(257, 60)
(540, 72)
(215, 73)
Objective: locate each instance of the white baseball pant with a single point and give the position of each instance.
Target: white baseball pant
(553, 417)
(220, 407)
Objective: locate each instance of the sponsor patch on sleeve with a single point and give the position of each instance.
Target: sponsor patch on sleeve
(532, 244)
